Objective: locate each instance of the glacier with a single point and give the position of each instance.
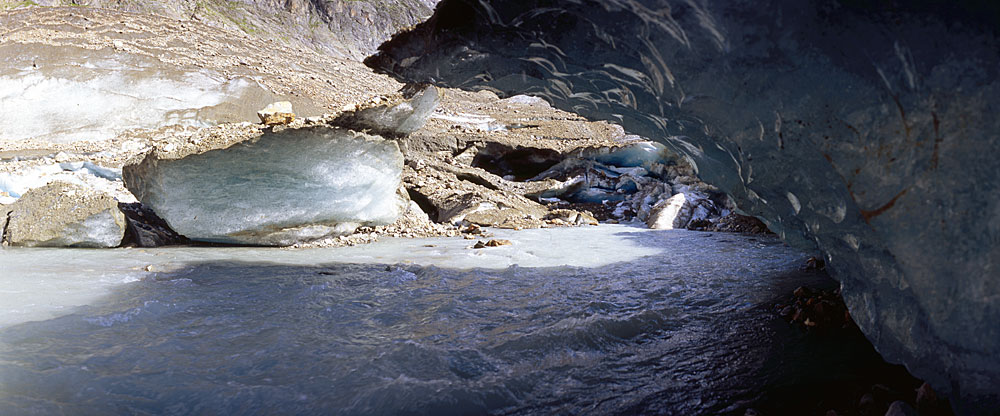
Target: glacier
(64, 94)
(864, 130)
(281, 188)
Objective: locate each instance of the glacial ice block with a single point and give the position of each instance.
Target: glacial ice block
(278, 189)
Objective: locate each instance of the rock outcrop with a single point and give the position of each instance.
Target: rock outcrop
(864, 129)
(63, 215)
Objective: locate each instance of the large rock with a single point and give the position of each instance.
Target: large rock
(64, 215)
(282, 188)
(867, 130)
(670, 213)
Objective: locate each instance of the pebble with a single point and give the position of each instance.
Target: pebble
(491, 243)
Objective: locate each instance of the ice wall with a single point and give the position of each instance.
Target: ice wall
(867, 130)
(279, 189)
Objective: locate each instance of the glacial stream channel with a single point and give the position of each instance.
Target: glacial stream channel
(597, 320)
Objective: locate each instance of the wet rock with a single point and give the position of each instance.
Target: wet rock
(277, 113)
(64, 215)
(737, 223)
(900, 408)
(929, 403)
(146, 229)
(816, 309)
(492, 243)
(571, 217)
(297, 185)
(868, 406)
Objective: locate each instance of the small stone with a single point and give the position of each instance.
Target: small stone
(62, 157)
(866, 403)
(277, 113)
(498, 243)
(900, 408)
(927, 400)
(119, 44)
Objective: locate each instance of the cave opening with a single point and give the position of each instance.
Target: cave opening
(515, 163)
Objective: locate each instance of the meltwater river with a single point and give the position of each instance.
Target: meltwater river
(642, 322)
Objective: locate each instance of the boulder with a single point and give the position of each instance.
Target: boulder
(281, 188)
(671, 213)
(64, 215)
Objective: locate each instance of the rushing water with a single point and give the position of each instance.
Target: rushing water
(682, 326)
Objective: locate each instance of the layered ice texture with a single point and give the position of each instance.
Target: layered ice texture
(279, 189)
(865, 130)
(65, 94)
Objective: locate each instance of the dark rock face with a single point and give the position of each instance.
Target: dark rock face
(146, 229)
(864, 129)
